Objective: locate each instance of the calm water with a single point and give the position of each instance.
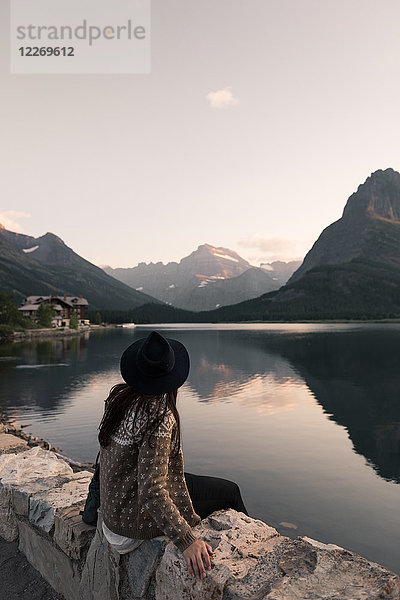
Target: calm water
(305, 418)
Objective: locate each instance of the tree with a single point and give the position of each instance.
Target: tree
(9, 313)
(73, 321)
(45, 315)
(97, 319)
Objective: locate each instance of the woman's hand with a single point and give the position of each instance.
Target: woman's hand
(195, 554)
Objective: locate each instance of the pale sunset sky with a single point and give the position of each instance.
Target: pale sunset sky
(258, 120)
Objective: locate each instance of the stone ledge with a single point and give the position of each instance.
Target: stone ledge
(36, 485)
(22, 468)
(43, 505)
(252, 560)
(55, 566)
(40, 500)
(72, 534)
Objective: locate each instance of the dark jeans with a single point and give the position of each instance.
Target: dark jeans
(213, 493)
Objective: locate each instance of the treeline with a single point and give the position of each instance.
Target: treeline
(10, 317)
(153, 313)
(147, 313)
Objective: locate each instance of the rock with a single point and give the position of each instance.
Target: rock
(38, 483)
(55, 566)
(72, 534)
(237, 541)
(332, 573)
(32, 464)
(22, 493)
(142, 564)
(8, 441)
(20, 502)
(318, 544)
(8, 521)
(100, 575)
(253, 562)
(42, 505)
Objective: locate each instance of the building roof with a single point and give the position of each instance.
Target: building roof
(69, 300)
(77, 300)
(29, 307)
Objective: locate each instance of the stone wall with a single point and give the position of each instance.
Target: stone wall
(40, 499)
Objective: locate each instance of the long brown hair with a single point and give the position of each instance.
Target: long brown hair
(122, 398)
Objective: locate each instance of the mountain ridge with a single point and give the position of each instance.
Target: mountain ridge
(46, 265)
(208, 277)
(348, 238)
(353, 268)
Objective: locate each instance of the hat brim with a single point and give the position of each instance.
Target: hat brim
(155, 385)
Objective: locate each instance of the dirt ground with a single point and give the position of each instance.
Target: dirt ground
(18, 579)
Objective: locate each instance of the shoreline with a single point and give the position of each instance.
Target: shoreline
(261, 322)
(29, 334)
(7, 426)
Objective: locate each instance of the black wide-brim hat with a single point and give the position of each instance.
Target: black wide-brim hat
(155, 365)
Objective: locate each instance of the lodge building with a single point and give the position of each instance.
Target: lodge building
(63, 306)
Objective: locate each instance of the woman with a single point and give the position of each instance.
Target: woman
(143, 488)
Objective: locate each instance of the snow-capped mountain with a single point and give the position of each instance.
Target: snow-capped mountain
(280, 270)
(208, 278)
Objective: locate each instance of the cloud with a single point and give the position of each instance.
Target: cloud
(222, 98)
(10, 219)
(275, 248)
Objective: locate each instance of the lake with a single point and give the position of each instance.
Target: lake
(304, 417)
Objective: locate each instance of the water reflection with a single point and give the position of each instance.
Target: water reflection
(41, 373)
(355, 378)
(354, 375)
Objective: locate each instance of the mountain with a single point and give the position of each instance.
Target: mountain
(45, 265)
(281, 271)
(352, 270)
(209, 277)
(368, 229)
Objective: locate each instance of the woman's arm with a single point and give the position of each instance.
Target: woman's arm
(152, 475)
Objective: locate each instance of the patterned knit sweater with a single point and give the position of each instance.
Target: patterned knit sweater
(143, 491)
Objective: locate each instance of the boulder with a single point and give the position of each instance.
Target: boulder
(72, 534)
(19, 471)
(24, 467)
(34, 484)
(43, 505)
(101, 573)
(8, 441)
(252, 561)
(237, 541)
(22, 493)
(142, 565)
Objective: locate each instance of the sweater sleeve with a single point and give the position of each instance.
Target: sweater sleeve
(152, 475)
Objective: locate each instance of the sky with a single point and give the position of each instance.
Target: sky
(258, 120)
